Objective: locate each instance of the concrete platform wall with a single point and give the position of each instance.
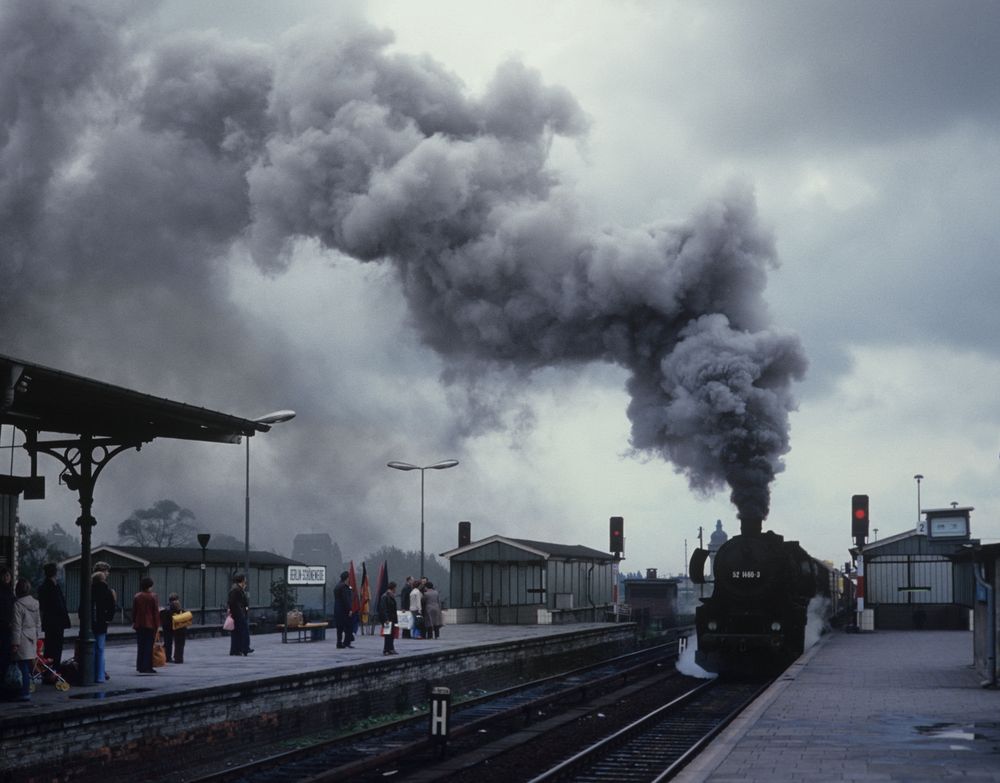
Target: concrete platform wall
(204, 723)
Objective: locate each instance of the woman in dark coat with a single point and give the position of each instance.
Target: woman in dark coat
(239, 608)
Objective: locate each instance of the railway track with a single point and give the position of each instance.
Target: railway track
(389, 749)
(656, 746)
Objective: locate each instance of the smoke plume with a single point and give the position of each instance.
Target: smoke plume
(147, 167)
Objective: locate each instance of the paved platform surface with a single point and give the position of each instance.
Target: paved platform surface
(207, 662)
(883, 706)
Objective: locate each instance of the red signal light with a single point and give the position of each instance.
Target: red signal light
(617, 535)
(859, 518)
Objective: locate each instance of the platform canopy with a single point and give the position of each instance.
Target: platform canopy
(41, 399)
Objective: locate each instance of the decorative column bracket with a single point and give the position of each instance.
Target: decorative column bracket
(83, 459)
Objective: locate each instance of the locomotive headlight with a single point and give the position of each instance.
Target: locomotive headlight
(775, 626)
(713, 626)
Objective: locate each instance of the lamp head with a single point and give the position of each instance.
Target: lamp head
(446, 463)
(275, 418)
(401, 466)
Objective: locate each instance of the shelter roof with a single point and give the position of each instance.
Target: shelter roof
(151, 555)
(890, 543)
(542, 548)
(41, 399)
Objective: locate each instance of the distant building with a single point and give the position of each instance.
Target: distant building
(652, 601)
(717, 539)
(513, 580)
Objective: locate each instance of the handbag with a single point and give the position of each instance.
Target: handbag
(229, 624)
(159, 654)
(182, 620)
(12, 678)
(406, 620)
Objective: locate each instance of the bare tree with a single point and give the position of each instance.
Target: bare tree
(165, 524)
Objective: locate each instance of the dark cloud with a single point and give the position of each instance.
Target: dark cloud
(145, 171)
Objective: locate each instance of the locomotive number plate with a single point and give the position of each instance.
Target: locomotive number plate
(746, 574)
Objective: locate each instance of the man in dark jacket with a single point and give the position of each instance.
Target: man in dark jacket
(387, 614)
(342, 604)
(55, 617)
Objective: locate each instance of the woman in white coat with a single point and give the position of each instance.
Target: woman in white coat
(416, 604)
(25, 630)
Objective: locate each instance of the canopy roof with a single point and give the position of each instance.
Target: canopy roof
(543, 549)
(40, 399)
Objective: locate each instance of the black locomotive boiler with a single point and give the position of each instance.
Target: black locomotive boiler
(765, 588)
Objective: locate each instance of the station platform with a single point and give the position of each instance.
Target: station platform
(882, 706)
(216, 705)
(207, 662)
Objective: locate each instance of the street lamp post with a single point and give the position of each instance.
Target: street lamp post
(919, 478)
(203, 540)
(270, 418)
(444, 464)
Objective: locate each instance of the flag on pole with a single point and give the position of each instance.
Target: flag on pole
(355, 599)
(381, 584)
(366, 596)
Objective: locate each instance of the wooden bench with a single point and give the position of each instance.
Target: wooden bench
(306, 632)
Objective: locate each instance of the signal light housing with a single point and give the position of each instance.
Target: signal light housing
(859, 517)
(617, 545)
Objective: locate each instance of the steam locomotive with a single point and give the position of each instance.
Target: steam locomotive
(767, 591)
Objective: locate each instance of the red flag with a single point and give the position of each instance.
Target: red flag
(355, 598)
(366, 595)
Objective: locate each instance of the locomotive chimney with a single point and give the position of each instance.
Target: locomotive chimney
(751, 526)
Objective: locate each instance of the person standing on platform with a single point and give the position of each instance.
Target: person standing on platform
(6, 618)
(239, 608)
(404, 601)
(105, 568)
(173, 638)
(343, 600)
(55, 617)
(102, 611)
(432, 612)
(25, 629)
(416, 610)
(387, 614)
(145, 621)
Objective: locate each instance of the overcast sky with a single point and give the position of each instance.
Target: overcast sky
(618, 258)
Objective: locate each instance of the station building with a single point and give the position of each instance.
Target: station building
(652, 602)
(178, 570)
(923, 578)
(516, 581)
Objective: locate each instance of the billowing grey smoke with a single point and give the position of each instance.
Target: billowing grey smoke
(143, 169)
(387, 160)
